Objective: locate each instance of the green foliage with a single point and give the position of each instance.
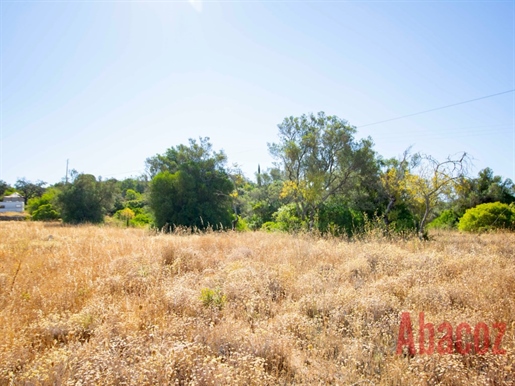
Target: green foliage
(30, 189)
(488, 216)
(285, 219)
(448, 219)
(263, 199)
(193, 189)
(402, 219)
(486, 188)
(8, 192)
(86, 199)
(44, 208)
(45, 212)
(176, 158)
(271, 226)
(4, 186)
(213, 298)
(132, 195)
(322, 159)
(242, 225)
(135, 218)
(49, 197)
(141, 220)
(336, 218)
(138, 185)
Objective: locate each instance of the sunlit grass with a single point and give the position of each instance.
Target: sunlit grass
(104, 305)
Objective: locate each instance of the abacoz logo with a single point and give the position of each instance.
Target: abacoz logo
(462, 340)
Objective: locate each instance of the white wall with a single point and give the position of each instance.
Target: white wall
(16, 206)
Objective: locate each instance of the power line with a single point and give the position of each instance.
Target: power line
(464, 131)
(442, 135)
(435, 109)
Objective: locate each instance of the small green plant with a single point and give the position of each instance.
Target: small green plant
(484, 217)
(212, 298)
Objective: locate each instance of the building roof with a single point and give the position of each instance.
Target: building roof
(14, 197)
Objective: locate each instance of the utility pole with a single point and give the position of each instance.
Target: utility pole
(66, 179)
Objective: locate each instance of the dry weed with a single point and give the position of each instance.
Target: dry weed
(111, 306)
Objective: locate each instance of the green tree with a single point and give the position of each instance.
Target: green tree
(430, 182)
(486, 188)
(321, 159)
(265, 199)
(30, 189)
(200, 153)
(190, 187)
(86, 199)
(137, 184)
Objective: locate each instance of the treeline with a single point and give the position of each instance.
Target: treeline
(324, 180)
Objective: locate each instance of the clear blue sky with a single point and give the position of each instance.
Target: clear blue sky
(107, 84)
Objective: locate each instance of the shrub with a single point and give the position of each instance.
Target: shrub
(338, 218)
(212, 298)
(286, 219)
(271, 226)
(488, 216)
(45, 213)
(447, 220)
(141, 220)
(44, 208)
(242, 225)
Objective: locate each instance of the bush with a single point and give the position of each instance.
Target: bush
(45, 213)
(141, 220)
(213, 298)
(44, 208)
(488, 216)
(286, 219)
(271, 226)
(447, 220)
(338, 218)
(241, 225)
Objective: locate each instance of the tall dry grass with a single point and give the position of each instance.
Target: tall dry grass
(98, 305)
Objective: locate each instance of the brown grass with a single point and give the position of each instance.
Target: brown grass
(99, 305)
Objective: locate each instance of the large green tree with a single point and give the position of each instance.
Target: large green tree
(30, 189)
(322, 159)
(86, 199)
(190, 187)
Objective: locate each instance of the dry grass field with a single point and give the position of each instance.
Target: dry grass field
(108, 306)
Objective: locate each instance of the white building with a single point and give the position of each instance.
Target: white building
(12, 203)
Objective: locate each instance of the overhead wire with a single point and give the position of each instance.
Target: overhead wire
(468, 130)
(435, 109)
